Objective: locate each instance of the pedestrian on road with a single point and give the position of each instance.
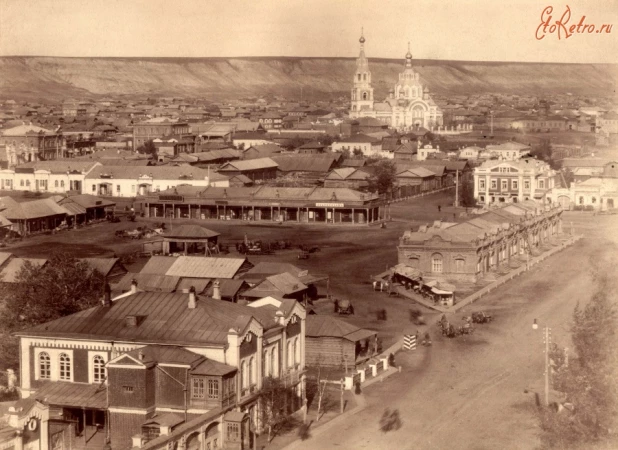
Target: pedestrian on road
(439, 208)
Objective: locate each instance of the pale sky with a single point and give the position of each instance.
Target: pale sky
(476, 30)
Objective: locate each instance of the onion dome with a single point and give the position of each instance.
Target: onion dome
(408, 55)
(362, 38)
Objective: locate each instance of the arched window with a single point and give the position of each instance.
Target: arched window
(273, 362)
(44, 366)
(364, 96)
(296, 351)
(594, 200)
(413, 92)
(243, 375)
(364, 77)
(413, 262)
(436, 263)
(359, 77)
(581, 200)
(252, 371)
(65, 367)
(290, 354)
(98, 369)
(266, 364)
(459, 265)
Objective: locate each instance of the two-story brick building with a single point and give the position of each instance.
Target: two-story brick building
(150, 368)
(512, 181)
(157, 128)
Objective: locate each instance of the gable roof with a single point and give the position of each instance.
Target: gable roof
(14, 266)
(103, 265)
(248, 164)
(305, 163)
(326, 326)
(194, 266)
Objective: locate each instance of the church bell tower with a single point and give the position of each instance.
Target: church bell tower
(362, 92)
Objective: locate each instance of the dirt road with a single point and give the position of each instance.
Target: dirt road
(468, 393)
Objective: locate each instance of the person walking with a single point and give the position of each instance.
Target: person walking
(439, 208)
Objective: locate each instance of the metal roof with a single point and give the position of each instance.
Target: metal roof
(190, 232)
(34, 209)
(248, 164)
(210, 367)
(327, 326)
(81, 395)
(308, 163)
(4, 257)
(165, 354)
(200, 284)
(147, 282)
(14, 266)
(205, 267)
(103, 265)
(165, 319)
(158, 265)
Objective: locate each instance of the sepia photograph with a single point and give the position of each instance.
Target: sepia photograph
(308, 225)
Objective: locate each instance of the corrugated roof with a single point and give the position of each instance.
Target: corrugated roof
(205, 267)
(80, 395)
(166, 319)
(13, 267)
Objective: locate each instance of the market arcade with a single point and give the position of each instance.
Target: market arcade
(305, 205)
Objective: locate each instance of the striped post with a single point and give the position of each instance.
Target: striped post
(409, 342)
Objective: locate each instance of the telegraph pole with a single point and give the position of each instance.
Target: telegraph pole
(457, 189)
(546, 338)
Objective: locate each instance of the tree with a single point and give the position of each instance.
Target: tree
(384, 176)
(148, 148)
(466, 191)
(589, 380)
(568, 176)
(63, 286)
(274, 398)
(345, 153)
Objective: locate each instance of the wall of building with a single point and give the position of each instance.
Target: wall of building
(329, 351)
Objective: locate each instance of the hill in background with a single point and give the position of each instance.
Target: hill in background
(54, 78)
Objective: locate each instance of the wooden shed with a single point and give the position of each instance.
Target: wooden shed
(331, 342)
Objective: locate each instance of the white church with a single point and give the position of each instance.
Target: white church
(408, 106)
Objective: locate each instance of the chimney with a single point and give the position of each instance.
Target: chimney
(216, 291)
(107, 296)
(133, 286)
(279, 317)
(192, 298)
(140, 355)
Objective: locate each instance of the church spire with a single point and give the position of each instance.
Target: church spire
(362, 63)
(409, 57)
